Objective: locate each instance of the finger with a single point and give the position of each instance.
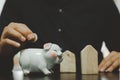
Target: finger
(32, 37)
(22, 28)
(113, 66)
(111, 61)
(11, 42)
(36, 37)
(15, 34)
(105, 66)
(107, 58)
(104, 63)
(107, 61)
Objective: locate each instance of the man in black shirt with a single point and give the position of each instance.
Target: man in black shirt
(72, 24)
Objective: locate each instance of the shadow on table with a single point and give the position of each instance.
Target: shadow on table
(109, 76)
(101, 76)
(71, 76)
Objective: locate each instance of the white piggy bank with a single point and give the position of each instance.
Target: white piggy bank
(38, 60)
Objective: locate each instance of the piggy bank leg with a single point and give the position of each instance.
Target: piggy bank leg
(16, 64)
(51, 71)
(26, 72)
(16, 59)
(46, 71)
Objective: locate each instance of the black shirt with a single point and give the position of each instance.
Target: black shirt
(70, 23)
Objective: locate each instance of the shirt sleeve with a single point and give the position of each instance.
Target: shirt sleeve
(11, 13)
(113, 29)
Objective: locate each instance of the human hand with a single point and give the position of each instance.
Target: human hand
(111, 62)
(14, 34)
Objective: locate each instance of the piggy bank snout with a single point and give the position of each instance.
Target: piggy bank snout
(53, 54)
(59, 59)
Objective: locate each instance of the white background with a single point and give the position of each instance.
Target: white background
(117, 2)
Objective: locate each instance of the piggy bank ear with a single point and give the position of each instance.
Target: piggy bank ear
(47, 45)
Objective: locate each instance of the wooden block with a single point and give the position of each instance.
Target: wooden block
(89, 60)
(69, 63)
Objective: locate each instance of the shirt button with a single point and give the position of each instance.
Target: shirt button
(60, 10)
(59, 30)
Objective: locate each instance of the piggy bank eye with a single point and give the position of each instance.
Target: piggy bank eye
(55, 50)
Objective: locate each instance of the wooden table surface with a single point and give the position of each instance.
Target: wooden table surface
(66, 76)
